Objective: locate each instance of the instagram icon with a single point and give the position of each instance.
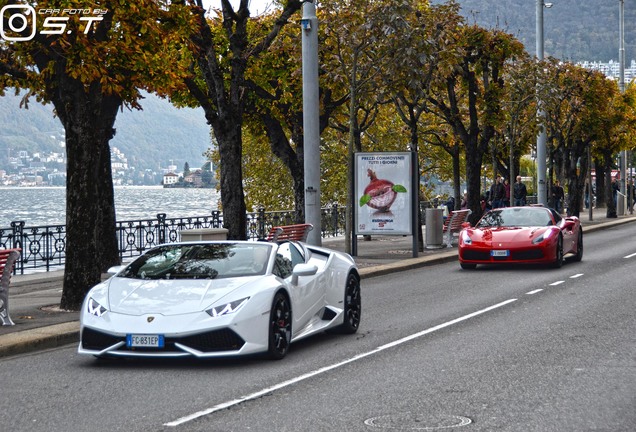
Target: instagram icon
(19, 19)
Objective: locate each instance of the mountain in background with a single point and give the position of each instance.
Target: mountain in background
(573, 30)
(153, 138)
(160, 134)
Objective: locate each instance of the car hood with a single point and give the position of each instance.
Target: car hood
(507, 234)
(169, 297)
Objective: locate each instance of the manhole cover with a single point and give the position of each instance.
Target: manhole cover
(413, 422)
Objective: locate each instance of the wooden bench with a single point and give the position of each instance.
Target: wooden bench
(453, 224)
(8, 258)
(296, 232)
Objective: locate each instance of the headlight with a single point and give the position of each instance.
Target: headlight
(546, 235)
(95, 308)
(466, 238)
(227, 308)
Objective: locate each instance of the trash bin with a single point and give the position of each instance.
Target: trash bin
(434, 227)
(620, 203)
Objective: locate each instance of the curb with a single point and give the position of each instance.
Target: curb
(39, 338)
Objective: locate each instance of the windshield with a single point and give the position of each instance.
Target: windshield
(516, 217)
(200, 261)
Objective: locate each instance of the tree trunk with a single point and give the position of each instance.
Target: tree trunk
(91, 241)
(229, 138)
(293, 160)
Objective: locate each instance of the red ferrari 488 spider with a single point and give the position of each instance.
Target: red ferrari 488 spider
(522, 235)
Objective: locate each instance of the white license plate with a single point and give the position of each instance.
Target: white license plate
(144, 341)
(499, 253)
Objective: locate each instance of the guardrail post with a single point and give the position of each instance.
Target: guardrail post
(261, 222)
(17, 242)
(161, 228)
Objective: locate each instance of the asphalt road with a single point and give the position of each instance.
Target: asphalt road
(523, 349)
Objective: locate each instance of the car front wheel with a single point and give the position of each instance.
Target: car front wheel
(279, 327)
(558, 254)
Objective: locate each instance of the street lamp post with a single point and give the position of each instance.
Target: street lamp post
(541, 138)
(311, 126)
(621, 85)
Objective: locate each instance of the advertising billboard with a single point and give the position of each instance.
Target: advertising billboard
(383, 191)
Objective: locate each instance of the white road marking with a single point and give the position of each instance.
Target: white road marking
(630, 256)
(535, 291)
(557, 283)
(289, 382)
(576, 276)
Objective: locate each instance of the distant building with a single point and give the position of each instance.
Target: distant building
(612, 69)
(195, 179)
(170, 179)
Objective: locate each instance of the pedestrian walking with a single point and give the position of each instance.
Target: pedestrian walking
(519, 192)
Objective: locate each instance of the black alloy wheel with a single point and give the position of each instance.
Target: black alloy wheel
(579, 247)
(352, 306)
(279, 327)
(558, 261)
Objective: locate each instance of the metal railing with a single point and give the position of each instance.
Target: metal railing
(44, 247)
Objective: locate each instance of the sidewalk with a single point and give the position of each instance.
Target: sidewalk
(40, 324)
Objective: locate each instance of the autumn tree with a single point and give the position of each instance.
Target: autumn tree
(469, 97)
(579, 111)
(422, 50)
(518, 129)
(275, 116)
(224, 49)
(90, 70)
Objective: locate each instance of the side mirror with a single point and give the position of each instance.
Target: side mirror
(303, 270)
(466, 225)
(114, 270)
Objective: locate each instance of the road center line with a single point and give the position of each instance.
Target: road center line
(576, 276)
(557, 283)
(299, 378)
(535, 291)
(630, 256)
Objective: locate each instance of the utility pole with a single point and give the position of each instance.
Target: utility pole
(541, 138)
(311, 121)
(621, 86)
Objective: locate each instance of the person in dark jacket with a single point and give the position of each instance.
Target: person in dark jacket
(557, 196)
(497, 193)
(519, 192)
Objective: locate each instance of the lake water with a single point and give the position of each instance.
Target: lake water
(38, 206)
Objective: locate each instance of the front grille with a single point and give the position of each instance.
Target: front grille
(530, 254)
(474, 255)
(213, 341)
(94, 340)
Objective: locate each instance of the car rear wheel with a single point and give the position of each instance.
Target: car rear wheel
(579, 247)
(558, 254)
(466, 266)
(279, 327)
(352, 307)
